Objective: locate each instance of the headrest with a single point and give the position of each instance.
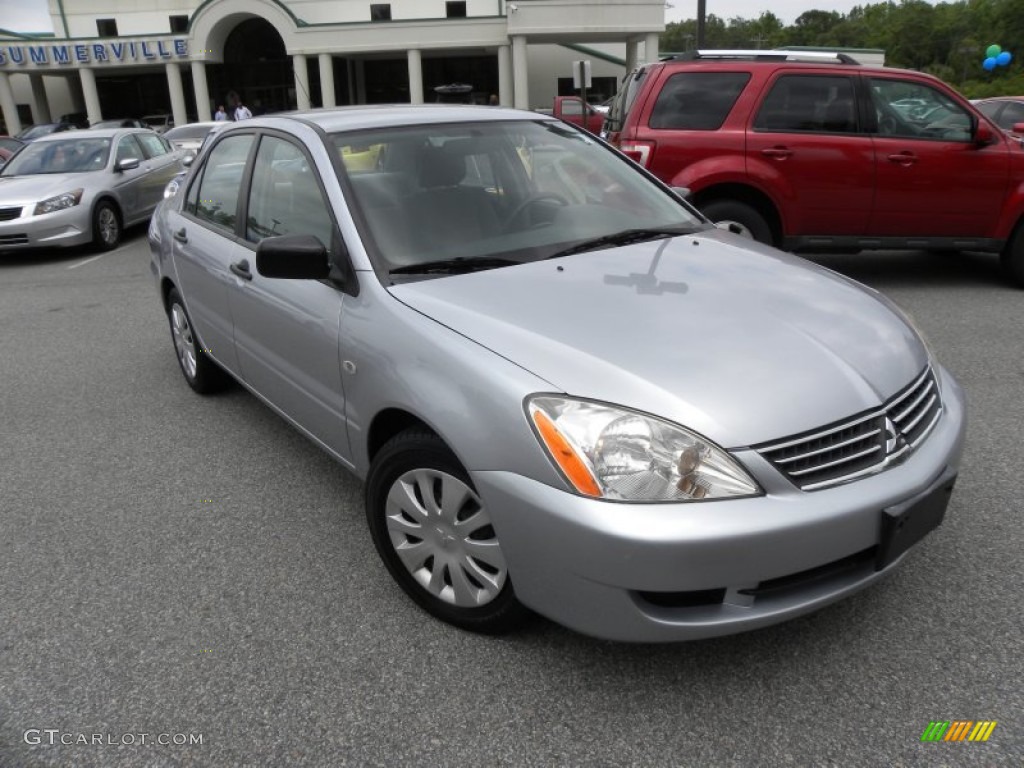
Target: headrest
(437, 168)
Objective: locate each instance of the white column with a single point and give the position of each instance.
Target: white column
(74, 88)
(202, 91)
(415, 76)
(632, 54)
(505, 97)
(519, 73)
(7, 105)
(651, 47)
(301, 81)
(174, 88)
(92, 96)
(40, 105)
(327, 80)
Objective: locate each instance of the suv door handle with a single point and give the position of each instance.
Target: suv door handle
(779, 152)
(241, 268)
(903, 158)
(180, 236)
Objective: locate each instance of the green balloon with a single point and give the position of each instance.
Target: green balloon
(993, 50)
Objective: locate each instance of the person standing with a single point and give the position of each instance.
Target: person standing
(220, 114)
(242, 112)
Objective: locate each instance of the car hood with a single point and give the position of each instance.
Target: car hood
(740, 343)
(23, 190)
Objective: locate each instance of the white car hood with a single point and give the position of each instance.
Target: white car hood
(740, 343)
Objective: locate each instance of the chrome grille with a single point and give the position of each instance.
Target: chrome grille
(6, 214)
(861, 445)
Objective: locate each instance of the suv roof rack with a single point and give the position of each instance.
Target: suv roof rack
(834, 57)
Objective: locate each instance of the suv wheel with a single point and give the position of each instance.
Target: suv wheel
(1012, 258)
(747, 219)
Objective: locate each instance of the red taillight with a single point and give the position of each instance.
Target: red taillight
(638, 151)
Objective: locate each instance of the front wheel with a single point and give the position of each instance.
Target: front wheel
(436, 537)
(747, 219)
(106, 226)
(1012, 258)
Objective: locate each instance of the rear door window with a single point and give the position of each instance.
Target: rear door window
(697, 101)
(815, 103)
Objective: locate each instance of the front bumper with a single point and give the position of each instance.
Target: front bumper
(71, 226)
(593, 565)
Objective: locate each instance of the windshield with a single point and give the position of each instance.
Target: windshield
(497, 192)
(75, 155)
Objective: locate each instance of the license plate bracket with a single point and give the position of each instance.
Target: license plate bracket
(906, 523)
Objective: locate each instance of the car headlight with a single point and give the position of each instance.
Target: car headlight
(617, 454)
(58, 202)
(172, 187)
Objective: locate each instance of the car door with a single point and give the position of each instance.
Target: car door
(932, 177)
(162, 166)
(129, 182)
(287, 331)
(205, 244)
(807, 145)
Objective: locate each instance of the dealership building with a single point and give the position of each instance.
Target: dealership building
(127, 58)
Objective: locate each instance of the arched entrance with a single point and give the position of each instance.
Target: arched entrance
(256, 69)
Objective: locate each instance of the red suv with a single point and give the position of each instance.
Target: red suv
(816, 152)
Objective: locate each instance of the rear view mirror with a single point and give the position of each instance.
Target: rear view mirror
(295, 257)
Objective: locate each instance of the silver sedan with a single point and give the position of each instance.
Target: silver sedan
(83, 186)
(565, 390)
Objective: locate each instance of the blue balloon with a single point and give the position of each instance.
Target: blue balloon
(1003, 58)
(989, 64)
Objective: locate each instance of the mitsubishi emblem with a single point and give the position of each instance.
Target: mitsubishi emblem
(892, 437)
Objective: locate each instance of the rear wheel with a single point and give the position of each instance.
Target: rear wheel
(747, 219)
(435, 535)
(201, 373)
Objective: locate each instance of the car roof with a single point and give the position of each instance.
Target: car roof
(395, 115)
(93, 133)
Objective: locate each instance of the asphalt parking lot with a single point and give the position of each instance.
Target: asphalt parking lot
(180, 567)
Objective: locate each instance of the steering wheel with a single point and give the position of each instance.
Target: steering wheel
(533, 199)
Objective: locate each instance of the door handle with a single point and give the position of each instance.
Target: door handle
(903, 158)
(241, 268)
(180, 236)
(778, 152)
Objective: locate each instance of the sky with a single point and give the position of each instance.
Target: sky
(34, 15)
(786, 10)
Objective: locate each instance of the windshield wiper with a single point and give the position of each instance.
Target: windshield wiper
(457, 265)
(625, 237)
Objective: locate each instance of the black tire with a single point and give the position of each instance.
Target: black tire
(418, 460)
(199, 370)
(106, 226)
(1011, 261)
(748, 218)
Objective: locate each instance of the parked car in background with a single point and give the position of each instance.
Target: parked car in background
(10, 143)
(120, 122)
(159, 123)
(570, 109)
(190, 137)
(1005, 111)
(813, 151)
(77, 119)
(5, 155)
(73, 188)
(33, 132)
(564, 388)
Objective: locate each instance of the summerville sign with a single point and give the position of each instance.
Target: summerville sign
(57, 55)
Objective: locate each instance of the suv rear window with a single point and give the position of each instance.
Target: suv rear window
(697, 101)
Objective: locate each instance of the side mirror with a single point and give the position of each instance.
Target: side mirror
(983, 135)
(1018, 128)
(128, 164)
(188, 159)
(295, 257)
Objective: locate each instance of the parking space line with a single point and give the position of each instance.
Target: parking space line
(100, 256)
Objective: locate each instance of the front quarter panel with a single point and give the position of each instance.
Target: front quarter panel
(393, 357)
